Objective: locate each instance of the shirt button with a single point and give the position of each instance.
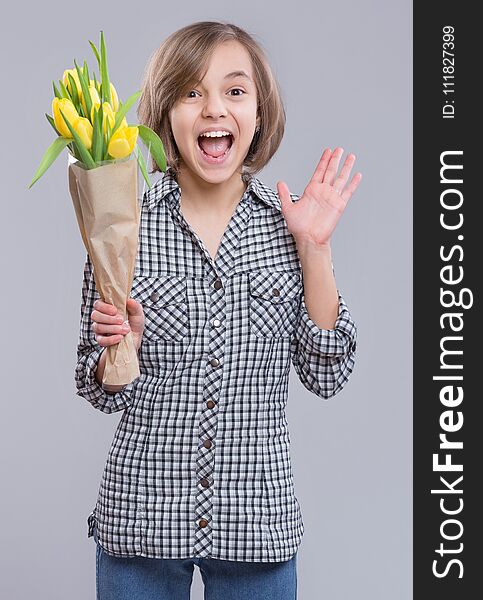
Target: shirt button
(210, 404)
(214, 362)
(154, 297)
(216, 323)
(204, 482)
(207, 444)
(203, 522)
(275, 292)
(218, 284)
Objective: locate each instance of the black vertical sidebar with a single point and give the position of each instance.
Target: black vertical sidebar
(448, 341)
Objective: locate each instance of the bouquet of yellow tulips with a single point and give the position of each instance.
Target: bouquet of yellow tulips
(90, 120)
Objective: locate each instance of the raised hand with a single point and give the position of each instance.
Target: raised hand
(312, 219)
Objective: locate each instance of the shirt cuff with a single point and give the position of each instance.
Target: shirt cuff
(89, 388)
(331, 342)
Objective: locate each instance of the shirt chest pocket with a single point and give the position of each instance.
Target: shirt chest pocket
(274, 302)
(165, 304)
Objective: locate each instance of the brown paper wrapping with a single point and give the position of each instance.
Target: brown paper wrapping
(108, 213)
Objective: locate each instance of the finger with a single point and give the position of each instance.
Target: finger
(351, 188)
(105, 307)
(340, 182)
(284, 195)
(134, 307)
(103, 329)
(331, 171)
(102, 317)
(319, 172)
(108, 340)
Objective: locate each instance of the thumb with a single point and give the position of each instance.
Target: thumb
(284, 195)
(134, 308)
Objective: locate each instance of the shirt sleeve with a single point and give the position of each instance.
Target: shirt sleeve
(88, 353)
(324, 358)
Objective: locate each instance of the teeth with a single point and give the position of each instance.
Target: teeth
(214, 134)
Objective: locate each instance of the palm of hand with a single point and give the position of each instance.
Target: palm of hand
(315, 215)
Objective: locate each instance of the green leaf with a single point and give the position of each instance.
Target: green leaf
(108, 138)
(52, 122)
(50, 155)
(73, 91)
(64, 90)
(142, 164)
(101, 130)
(86, 72)
(56, 91)
(81, 111)
(73, 150)
(106, 88)
(96, 138)
(123, 108)
(153, 141)
(85, 91)
(84, 154)
(96, 52)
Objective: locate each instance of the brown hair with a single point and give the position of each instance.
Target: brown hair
(181, 60)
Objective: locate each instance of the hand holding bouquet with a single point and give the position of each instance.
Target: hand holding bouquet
(90, 120)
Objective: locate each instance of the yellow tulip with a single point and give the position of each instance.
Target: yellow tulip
(94, 99)
(114, 98)
(109, 115)
(69, 111)
(66, 81)
(84, 128)
(123, 141)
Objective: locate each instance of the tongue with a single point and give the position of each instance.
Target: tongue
(215, 146)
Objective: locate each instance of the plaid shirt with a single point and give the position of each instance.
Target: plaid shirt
(200, 464)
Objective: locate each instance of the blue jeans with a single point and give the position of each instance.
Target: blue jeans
(141, 578)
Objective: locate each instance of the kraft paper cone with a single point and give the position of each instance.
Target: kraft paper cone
(108, 213)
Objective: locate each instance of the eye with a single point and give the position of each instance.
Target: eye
(232, 90)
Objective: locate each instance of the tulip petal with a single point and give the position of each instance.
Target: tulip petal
(119, 148)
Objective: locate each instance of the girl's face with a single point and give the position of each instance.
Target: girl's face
(225, 99)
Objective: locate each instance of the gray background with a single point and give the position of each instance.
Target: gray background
(346, 74)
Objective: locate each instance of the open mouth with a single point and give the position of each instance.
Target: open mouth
(216, 155)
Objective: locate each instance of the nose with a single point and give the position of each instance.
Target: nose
(214, 106)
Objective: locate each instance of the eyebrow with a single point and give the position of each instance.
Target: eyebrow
(237, 74)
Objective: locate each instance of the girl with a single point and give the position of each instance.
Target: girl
(233, 283)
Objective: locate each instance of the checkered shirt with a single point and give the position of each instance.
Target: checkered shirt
(200, 461)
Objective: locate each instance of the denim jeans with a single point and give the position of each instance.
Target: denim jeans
(141, 578)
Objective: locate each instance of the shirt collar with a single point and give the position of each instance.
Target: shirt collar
(167, 184)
